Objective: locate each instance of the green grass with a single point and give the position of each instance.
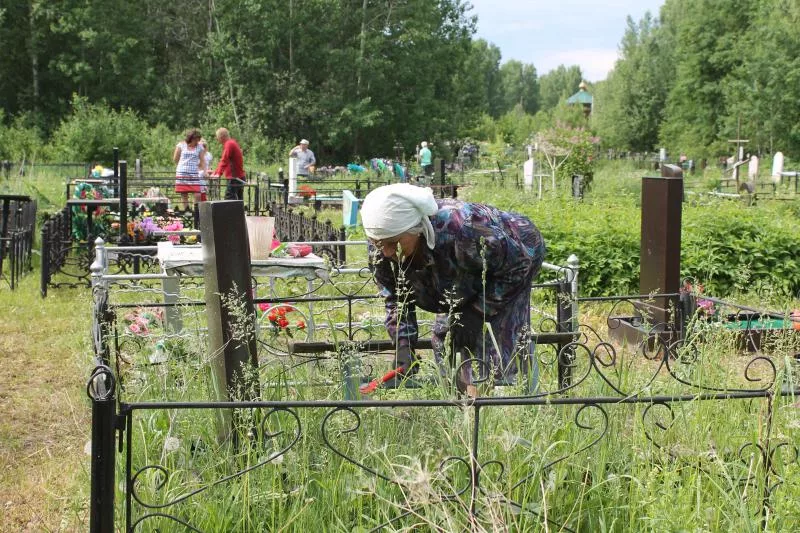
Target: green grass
(698, 477)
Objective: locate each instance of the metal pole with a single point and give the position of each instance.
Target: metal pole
(44, 278)
(564, 319)
(123, 202)
(101, 392)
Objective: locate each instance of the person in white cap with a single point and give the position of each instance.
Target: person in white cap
(471, 264)
(305, 158)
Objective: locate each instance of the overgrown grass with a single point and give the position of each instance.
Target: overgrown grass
(616, 467)
(698, 480)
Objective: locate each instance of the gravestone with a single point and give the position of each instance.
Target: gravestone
(439, 168)
(777, 167)
(659, 255)
(231, 333)
(752, 169)
(528, 169)
(292, 193)
(350, 206)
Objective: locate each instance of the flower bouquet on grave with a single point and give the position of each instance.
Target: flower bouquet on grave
(705, 307)
(141, 321)
(306, 191)
(140, 231)
(279, 321)
(100, 224)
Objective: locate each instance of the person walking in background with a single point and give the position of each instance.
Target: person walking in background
(231, 165)
(189, 155)
(425, 159)
(305, 158)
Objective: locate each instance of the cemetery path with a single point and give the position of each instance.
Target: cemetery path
(44, 412)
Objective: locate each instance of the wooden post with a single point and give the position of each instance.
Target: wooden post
(229, 307)
(660, 253)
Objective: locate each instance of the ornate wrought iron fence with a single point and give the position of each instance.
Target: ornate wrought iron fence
(449, 461)
(17, 223)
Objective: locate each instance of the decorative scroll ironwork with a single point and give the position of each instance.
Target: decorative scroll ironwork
(614, 389)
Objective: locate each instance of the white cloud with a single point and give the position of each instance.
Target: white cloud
(548, 33)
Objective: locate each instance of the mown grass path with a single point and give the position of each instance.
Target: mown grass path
(44, 412)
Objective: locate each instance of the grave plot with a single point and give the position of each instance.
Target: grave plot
(241, 407)
(607, 430)
(93, 212)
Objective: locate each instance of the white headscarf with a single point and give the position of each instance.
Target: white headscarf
(393, 209)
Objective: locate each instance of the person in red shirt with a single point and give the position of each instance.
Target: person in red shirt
(231, 165)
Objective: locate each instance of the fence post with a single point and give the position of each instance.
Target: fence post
(123, 202)
(44, 278)
(101, 389)
(572, 277)
(564, 321)
(285, 182)
(688, 304)
(100, 313)
(342, 254)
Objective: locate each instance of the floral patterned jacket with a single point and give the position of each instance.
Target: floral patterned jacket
(483, 259)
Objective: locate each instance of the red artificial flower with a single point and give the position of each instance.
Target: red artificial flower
(282, 322)
(301, 324)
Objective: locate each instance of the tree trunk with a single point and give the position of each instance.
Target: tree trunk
(291, 47)
(360, 64)
(34, 55)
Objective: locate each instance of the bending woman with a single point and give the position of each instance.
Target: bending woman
(467, 262)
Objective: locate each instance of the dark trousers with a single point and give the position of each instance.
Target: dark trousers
(235, 189)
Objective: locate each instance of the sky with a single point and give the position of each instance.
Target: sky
(549, 33)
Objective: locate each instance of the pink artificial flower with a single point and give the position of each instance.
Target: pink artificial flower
(264, 307)
(134, 328)
(705, 306)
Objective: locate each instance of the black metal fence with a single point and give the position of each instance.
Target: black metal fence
(328, 191)
(584, 390)
(17, 225)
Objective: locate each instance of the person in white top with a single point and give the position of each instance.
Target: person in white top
(306, 162)
(190, 157)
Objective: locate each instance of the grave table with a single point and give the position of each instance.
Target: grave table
(187, 260)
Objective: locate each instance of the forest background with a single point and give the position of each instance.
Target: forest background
(358, 78)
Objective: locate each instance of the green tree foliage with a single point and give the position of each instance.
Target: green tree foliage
(558, 85)
(520, 86)
(92, 131)
(357, 77)
(761, 94)
(479, 82)
(629, 105)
